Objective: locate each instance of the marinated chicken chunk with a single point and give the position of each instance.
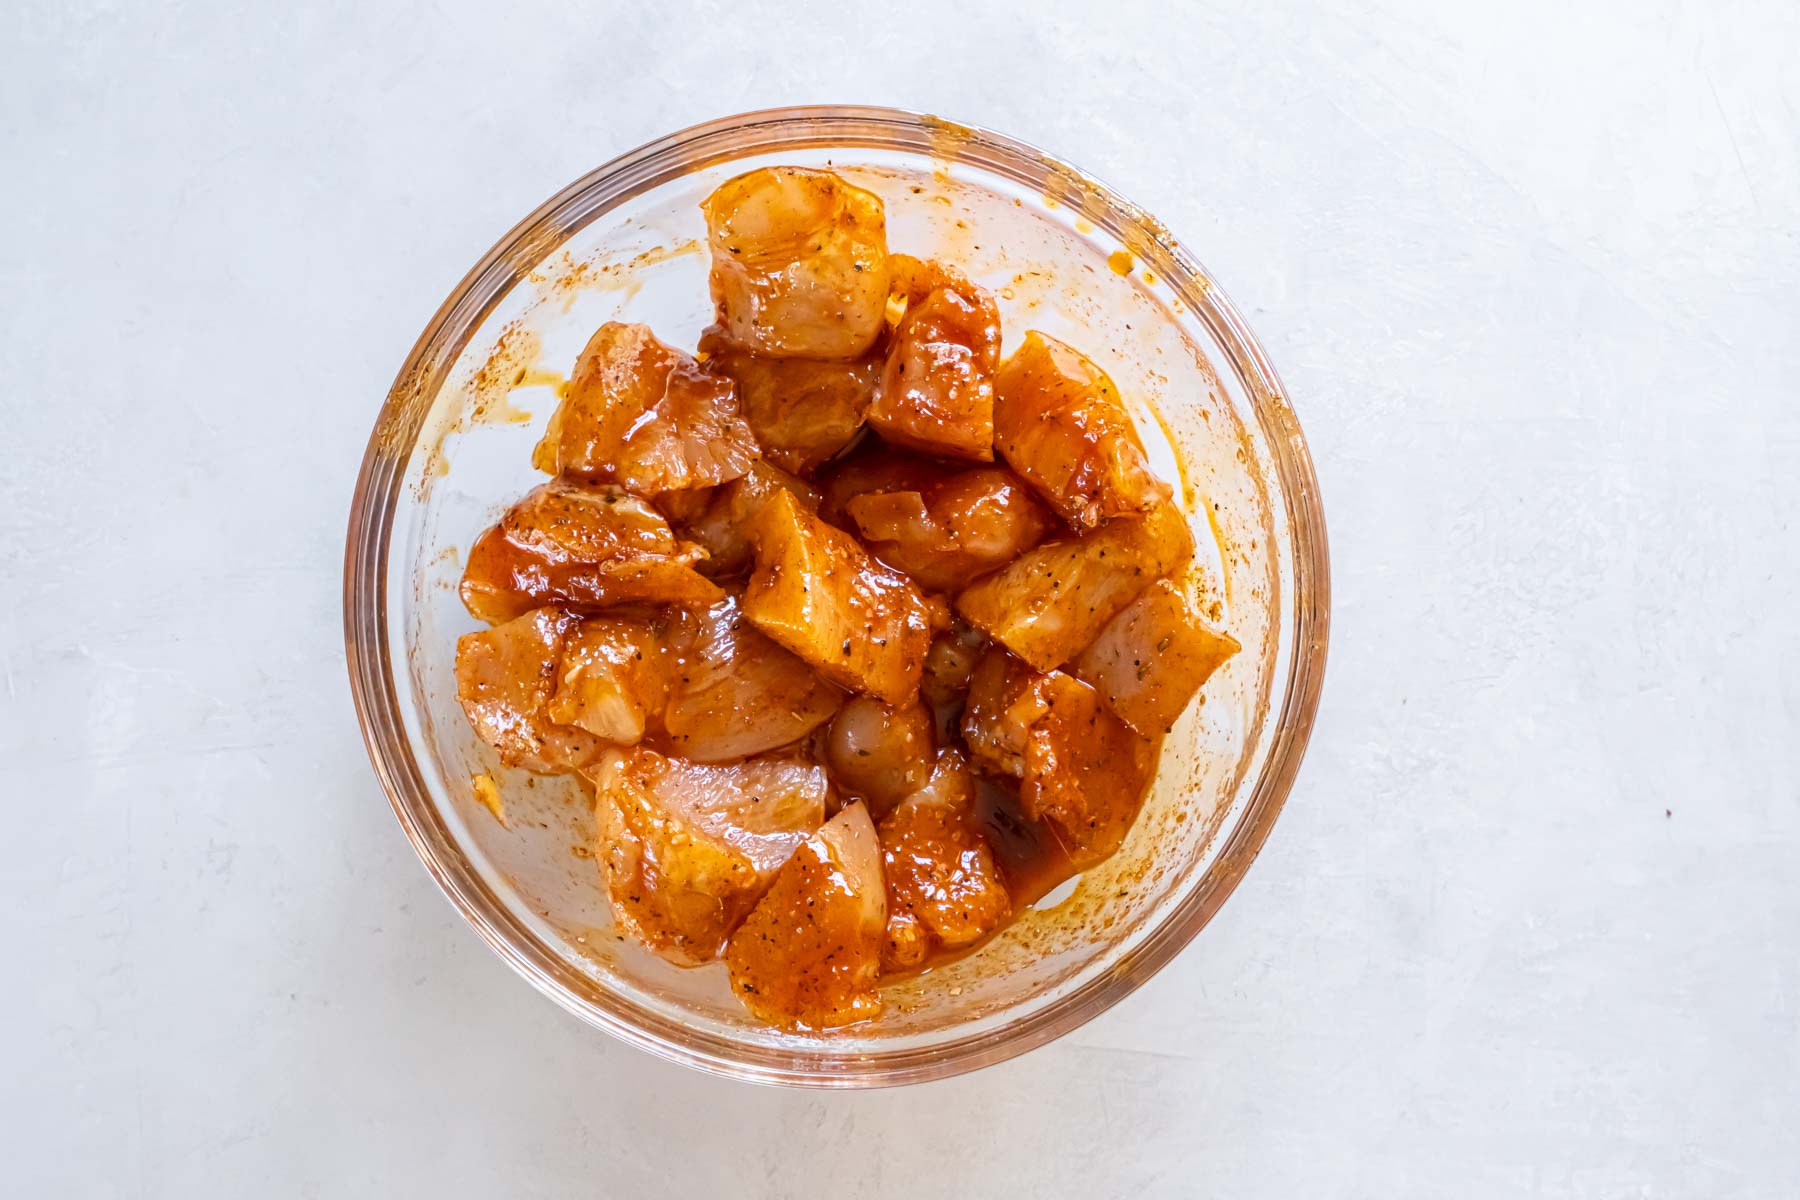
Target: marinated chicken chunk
(723, 526)
(582, 548)
(1048, 604)
(1030, 854)
(799, 263)
(809, 954)
(944, 890)
(646, 416)
(1004, 699)
(685, 507)
(880, 752)
(953, 529)
(937, 386)
(871, 470)
(734, 692)
(1148, 663)
(689, 848)
(818, 593)
(1060, 423)
(612, 679)
(949, 663)
(1081, 769)
(1086, 772)
(505, 677)
(803, 411)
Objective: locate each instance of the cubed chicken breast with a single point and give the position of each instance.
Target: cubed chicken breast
(944, 890)
(953, 529)
(937, 386)
(880, 752)
(734, 692)
(1048, 604)
(723, 527)
(799, 263)
(1060, 423)
(860, 624)
(1151, 659)
(1004, 698)
(689, 848)
(803, 411)
(1082, 770)
(581, 547)
(809, 954)
(685, 507)
(613, 678)
(949, 664)
(505, 677)
(872, 469)
(645, 415)
(1086, 771)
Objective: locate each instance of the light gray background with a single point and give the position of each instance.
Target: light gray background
(1530, 924)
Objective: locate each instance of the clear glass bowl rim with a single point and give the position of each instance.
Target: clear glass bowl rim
(380, 481)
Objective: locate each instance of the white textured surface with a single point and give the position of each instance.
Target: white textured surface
(1531, 922)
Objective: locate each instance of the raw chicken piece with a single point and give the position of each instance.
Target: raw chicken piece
(685, 507)
(646, 415)
(1086, 772)
(880, 752)
(817, 592)
(949, 663)
(737, 693)
(948, 531)
(809, 954)
(580, 547)
(689, 848)
(1082, 770)
(1148, 663)
(1048, 604)
(1059, 422)
(944, 889)
(613, 679)
(723, 528)
(799, 263)
(937, 386)
(1030, 854)
(1004, 700)
(802, 410)
(873, 469)
(504, 679)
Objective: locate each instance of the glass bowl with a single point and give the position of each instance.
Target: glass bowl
(451, 449)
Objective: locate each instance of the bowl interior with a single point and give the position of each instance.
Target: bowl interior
(1063, 256)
